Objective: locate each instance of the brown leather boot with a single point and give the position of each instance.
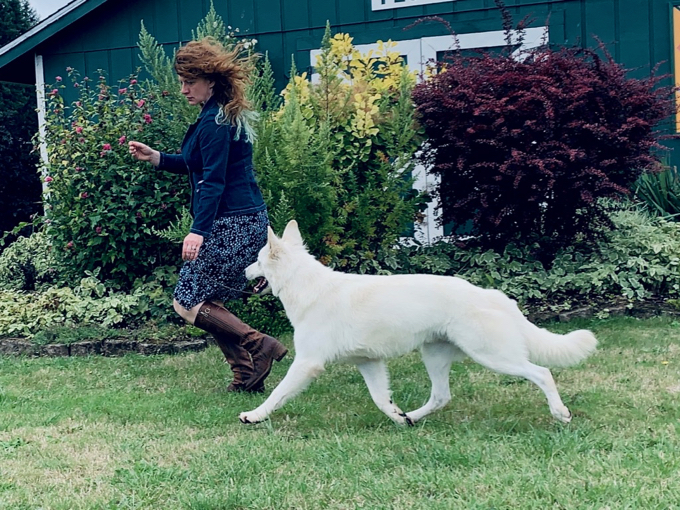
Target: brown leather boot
(263, 349)
(238, 358)
(241, 366)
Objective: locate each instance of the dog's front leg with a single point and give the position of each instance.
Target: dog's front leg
(378, 382)
(300, 374)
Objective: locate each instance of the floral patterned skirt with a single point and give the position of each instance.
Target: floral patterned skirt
(219, 270)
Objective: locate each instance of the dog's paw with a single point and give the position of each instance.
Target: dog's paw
(250, 417)
(563, 415)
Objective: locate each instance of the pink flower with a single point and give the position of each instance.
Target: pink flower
(98, 230)
(86, 78)
(106, 147)
(133, 81)
(165, 93)
(84, 194)
(58, 78)
(147, 118)
(69, 69)
(164, 206)
(121, 140)
(122, 91)
(69, 244)
(81, 140)
(140, 103)
(78, 169)
(48, 179)
(139, 215)
(79, 104)
(79, 129)
(76, 85)
(54, 92)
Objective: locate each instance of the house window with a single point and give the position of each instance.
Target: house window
(381, 5)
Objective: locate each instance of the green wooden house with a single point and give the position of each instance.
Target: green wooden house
(89, 35)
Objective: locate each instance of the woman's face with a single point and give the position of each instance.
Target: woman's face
(196, 90)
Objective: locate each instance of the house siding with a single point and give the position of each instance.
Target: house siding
(637, 34)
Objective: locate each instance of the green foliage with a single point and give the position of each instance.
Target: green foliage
(338, 154)
(264, 313)
(101, 205)
(25, 314)
(16, 17)
(262, 92)
(213, 26)
(88, 303)
(295, 174)
(28, 264)
(660, 192)
(176, 230)
(20, 189)
(166, 90)
(638, 258)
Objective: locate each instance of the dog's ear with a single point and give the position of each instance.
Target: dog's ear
(291, 234)
(271, 236)
(273, 242)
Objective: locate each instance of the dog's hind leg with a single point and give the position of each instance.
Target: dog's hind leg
(300, 374)
(378, 382)
(437, 357)
(538, 375)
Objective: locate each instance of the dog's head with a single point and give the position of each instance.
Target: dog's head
(275, 254)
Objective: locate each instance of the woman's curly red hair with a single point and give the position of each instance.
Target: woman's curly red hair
(229, 69)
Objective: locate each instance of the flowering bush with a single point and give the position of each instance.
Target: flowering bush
(526, 147)
(337, 155)
(101, 206)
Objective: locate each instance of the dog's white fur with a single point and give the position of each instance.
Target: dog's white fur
(365, 319)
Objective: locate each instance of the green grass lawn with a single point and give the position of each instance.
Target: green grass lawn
(161, 433)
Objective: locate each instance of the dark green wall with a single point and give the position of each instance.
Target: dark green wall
(637, 33)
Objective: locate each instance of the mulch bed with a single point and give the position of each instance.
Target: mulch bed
(651, 307)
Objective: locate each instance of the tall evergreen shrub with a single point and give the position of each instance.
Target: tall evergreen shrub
(20, 189)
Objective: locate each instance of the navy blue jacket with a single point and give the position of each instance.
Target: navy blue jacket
(220, 170)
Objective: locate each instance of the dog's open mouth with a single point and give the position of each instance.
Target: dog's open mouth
(262, 287)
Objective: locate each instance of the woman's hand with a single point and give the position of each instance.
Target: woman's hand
(192, 244)
(143, 152)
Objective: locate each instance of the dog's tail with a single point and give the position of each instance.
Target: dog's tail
(546, 348)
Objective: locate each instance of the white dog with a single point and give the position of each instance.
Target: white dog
(364, 320)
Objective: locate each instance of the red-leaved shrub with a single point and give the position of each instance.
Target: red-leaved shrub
(526, 146)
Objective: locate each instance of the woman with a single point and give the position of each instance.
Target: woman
(229, 216)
